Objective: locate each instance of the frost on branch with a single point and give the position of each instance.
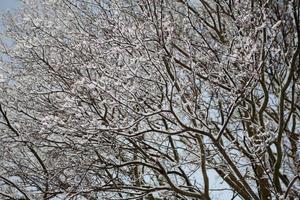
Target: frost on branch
(128, 99)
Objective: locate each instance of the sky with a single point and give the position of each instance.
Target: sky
(8, 4)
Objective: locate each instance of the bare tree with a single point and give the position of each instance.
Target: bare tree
(160, 99)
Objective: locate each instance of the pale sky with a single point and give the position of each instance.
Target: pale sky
(8, 4)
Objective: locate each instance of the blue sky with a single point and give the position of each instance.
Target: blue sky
(8, 4)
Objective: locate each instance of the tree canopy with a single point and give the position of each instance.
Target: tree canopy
(151, 99)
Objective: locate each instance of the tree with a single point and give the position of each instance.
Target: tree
(162, 99)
